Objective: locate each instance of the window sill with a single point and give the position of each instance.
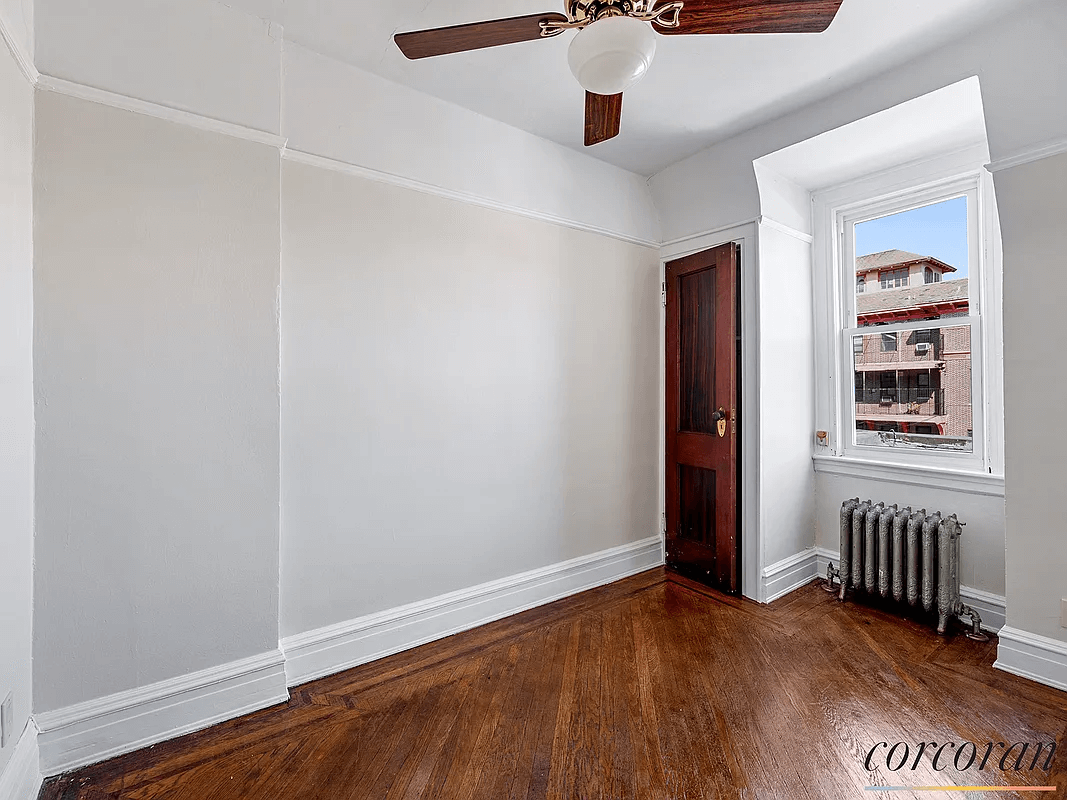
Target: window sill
(934, 477)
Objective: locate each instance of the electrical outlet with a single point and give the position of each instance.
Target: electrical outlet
(6, 720)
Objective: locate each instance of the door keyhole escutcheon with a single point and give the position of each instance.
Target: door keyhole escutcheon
(720, 421)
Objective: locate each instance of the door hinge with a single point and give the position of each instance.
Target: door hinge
(663, 293)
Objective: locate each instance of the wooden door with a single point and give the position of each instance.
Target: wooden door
(703, 351)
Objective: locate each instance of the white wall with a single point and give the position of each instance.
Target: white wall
(1033, 207)
(466, 394)
(156, 384)
(1020, 60)
(787, 395)
(16, 392)
(194, 55)
(335, 110)
(244, 74)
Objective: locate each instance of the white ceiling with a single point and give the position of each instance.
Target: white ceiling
(700, 89)
(943, 121)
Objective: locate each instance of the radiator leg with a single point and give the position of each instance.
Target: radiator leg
(942, 623)
(976, 624)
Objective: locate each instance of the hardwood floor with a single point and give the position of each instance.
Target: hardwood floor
(653, 687)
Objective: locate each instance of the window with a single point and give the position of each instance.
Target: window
(888, 382)
(861, 284)
(894, 278)
(922, 359)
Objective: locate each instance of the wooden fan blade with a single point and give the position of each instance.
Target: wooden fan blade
(603, 117)
(475, 36)
(754, 16)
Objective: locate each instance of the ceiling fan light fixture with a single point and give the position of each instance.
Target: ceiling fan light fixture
(612, 54)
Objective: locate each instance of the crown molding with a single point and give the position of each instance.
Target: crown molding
(18, 52)
(81, 91)
(681, 243)
(781, 227)
(1030, 154)
(49, 83)
(322, 162)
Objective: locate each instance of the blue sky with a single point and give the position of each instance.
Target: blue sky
(939, 230)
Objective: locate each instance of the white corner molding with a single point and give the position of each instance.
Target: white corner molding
(1037, 658)
(99, 729)
(104, 97)
(335, 648)
(322, 162)
(21, 779)
(774, 224)
(912, 475)
(18, 52)
(991, 607)
(1030, 154)
(789, 574)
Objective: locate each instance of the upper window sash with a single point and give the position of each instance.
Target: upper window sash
(848, 217)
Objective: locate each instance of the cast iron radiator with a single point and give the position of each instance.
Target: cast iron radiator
(908, 555)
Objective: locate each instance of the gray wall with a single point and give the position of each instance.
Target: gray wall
(16, 392)
(156, 381)
(466, 394)
(1033, 211)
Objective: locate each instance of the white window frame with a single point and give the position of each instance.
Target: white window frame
(836, 210)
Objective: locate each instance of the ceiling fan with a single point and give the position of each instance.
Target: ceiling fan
(617, 39)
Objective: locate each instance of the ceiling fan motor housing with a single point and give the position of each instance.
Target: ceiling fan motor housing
(592, 10)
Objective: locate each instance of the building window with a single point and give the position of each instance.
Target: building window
(929, 403)
(895, 278)
(861, 284)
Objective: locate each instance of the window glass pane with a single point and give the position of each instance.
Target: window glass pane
(917, 395)
(913, 265)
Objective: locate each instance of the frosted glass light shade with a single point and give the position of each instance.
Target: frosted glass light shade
(612, 54)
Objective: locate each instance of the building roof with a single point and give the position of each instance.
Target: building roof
(927, 295)
(888, 259)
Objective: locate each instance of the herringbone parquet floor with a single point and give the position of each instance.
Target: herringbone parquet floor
(652, 687)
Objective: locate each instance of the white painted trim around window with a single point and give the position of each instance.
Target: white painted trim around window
(979, 483)
(912, 184)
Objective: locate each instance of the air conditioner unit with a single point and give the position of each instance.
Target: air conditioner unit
(922, 347)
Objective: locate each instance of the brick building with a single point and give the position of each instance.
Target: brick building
(912, 382)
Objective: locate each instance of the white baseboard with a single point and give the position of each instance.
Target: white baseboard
(992, 607)
(1037, 658)
(334, 648)
(120, 723)
(788, 575)
(21, 778)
